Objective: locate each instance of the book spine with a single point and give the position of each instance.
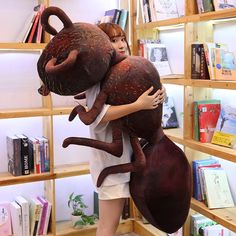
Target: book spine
(25, 156)
(195, 61)
(49, 208)
(204, 74)
(44, 213)
(34, 27)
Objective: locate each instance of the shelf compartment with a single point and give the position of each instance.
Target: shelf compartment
(70, 170)
(212, 149)
(23, 46)
(224, 216)
(65, 228)
(8, 179)
(211, 84)
(4, 114)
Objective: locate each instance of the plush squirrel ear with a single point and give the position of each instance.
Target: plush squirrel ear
(57, 12)
(52, 68)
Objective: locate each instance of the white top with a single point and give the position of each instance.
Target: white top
(103, 132)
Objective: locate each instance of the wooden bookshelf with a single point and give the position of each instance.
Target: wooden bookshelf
(196, 27)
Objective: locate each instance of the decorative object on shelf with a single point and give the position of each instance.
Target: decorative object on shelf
(79, 218)
(160, 173)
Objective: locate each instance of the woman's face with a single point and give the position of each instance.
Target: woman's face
(119, 43)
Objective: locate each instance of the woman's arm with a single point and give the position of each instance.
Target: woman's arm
(144, 102)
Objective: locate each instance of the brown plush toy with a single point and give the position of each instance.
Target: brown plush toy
(78, 57)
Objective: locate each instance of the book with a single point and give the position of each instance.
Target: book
(16, 219)
(225, 131)
(224, 4)
(200, 169)
(95, 204)
(201, 223)
(169, 117)
(24, 204)
(199, 68)
(166, 9)
(123, 18)
(197, 194)
(157, 54)
(145, 11)
(14, 155)
(225, 68)
(34, 155)
(214, 230)
(44, 203)
(40, 28)
(47, 218)
(33, 30)
(24, 151)
(196, 114)
(205, 6)
(210, 56)
(35, 216)
(218, 194)
(207, 118)
(112, 16)
(5, 219)
(44, 154)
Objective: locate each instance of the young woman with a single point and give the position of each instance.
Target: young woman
(115, 187)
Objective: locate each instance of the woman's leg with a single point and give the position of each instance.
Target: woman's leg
(109, 216)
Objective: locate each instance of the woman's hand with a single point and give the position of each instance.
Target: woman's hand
(146, 101)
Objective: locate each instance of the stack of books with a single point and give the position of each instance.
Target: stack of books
(24, 217)
(32, 30)
(27, 155)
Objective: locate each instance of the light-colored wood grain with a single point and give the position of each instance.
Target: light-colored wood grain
(66, 229)
(224, 216)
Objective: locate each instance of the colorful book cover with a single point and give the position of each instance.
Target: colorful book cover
(123, 18)
(210, 56)
(196, 114)
(44, 213)
(196, 179)
(5, 219)
(48, 214)
(214, 230)
(113, 14)
(225, 68)
(225, 131)
(169, 117)
(218, 194)
(208, 117)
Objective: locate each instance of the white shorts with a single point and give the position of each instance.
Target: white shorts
(114, 191)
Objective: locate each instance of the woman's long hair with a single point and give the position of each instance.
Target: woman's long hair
(114, 30)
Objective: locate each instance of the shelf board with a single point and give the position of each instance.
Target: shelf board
(177, 79)
(214, 15)
(146, 229)
(4, 114)
(212, 149)
(70, 170)
(62, 110)
(22, 46)
(8, 179)
(224, 216)
(211, 84)
(176, 135)
(65, 228)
